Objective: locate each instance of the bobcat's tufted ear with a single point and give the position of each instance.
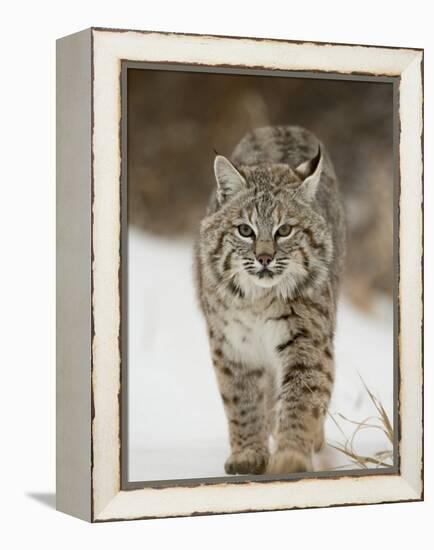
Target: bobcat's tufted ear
(229, 180)
(310, 173)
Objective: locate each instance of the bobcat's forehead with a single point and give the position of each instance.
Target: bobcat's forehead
(270, 195)
(263, 208)
(270, 177)
(267, 209)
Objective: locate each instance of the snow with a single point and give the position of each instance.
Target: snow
(176, 423)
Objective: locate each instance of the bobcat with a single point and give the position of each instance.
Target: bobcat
(269, 260)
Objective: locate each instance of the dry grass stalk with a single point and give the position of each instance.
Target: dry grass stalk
(381, 421)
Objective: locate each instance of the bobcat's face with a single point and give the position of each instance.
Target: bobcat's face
(269, 236)
(272, 241)
(275, 241)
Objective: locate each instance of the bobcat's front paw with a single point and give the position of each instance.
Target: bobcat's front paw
(247, 461)
(289, 461)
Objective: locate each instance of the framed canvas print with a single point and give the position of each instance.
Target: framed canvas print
(239, 274)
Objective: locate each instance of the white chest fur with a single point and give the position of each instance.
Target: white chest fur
(251, 339)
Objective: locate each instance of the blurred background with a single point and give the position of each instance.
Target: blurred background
(175, 121)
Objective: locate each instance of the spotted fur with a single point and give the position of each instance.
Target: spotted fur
(269, 298)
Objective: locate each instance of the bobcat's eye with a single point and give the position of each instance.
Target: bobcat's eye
(284, 230)
(245, 230)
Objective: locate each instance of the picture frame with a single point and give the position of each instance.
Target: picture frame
(91, 211)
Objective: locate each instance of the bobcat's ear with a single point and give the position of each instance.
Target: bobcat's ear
(229, 180)
(310, 173)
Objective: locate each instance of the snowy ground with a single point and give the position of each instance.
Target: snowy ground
(177, 427)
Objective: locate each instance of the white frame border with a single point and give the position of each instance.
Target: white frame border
(109, 48)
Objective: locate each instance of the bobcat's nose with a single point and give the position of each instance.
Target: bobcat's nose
(264, 259)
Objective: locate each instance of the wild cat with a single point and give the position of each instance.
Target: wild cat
(269, 262)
